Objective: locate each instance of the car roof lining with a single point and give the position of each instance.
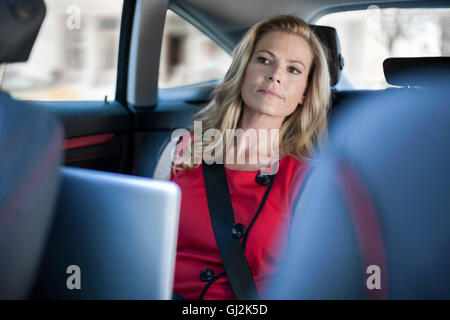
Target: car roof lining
(227, 25)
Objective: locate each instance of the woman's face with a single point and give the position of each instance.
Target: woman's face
(276, 75)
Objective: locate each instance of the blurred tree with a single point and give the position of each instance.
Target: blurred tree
(391, 24)
(444, 23)
(387, 25)
(2, 67)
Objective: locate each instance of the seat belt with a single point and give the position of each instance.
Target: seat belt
(233, 257)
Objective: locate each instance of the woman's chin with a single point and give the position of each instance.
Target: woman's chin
(266, 108)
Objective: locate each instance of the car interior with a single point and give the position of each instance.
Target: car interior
(123, 139)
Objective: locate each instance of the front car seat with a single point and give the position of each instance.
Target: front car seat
(374, 221)
(31, 152)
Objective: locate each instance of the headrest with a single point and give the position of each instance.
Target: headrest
(421, 71)
(329, 38)
(20, 21)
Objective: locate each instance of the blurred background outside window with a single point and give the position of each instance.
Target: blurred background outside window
(75, 54)
(188, 56)
(370, 36)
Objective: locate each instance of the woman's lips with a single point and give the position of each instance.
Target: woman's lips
(271, 93)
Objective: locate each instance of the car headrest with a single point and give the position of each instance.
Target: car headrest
(396, 69)
(20, 21)
(329, 38)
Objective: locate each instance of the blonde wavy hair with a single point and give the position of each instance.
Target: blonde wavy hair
(301, 130)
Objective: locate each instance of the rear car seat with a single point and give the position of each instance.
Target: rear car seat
(30, 144)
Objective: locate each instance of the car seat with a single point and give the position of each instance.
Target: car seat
(30, 146)
(373, 221)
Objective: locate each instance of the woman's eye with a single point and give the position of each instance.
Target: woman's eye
(294, 70)
(263, 60)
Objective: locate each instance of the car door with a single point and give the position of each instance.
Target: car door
(120, 79)
(164, 70)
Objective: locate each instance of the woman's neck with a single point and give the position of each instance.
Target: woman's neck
(255, 146)
(254, 120)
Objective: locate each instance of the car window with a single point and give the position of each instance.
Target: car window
(369, 36)
(75, 54)
(188, 56)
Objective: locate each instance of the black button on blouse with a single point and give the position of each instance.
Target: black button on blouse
(207, 275)
(263, 179)
(238, 230)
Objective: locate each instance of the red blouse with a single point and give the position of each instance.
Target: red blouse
(197, 249)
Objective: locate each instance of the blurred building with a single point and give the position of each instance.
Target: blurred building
(370, 36)
(188, 56)
(75, 54)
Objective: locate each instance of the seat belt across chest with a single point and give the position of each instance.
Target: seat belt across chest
(231, 251)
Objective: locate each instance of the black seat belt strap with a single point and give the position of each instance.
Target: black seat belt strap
(233, 257)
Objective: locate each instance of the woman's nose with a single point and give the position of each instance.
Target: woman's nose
(274, 75)
(273, 78)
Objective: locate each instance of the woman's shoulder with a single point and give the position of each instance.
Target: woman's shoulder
(293, 160)
(293, 173)
(292, 168)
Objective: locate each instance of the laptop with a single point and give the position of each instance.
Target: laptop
(113, 236)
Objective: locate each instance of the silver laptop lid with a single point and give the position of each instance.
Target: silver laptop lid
(119, 230)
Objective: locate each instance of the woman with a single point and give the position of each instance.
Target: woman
(279, 82)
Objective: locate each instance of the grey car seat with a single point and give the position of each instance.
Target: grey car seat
(374, 220)
(30, 147)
